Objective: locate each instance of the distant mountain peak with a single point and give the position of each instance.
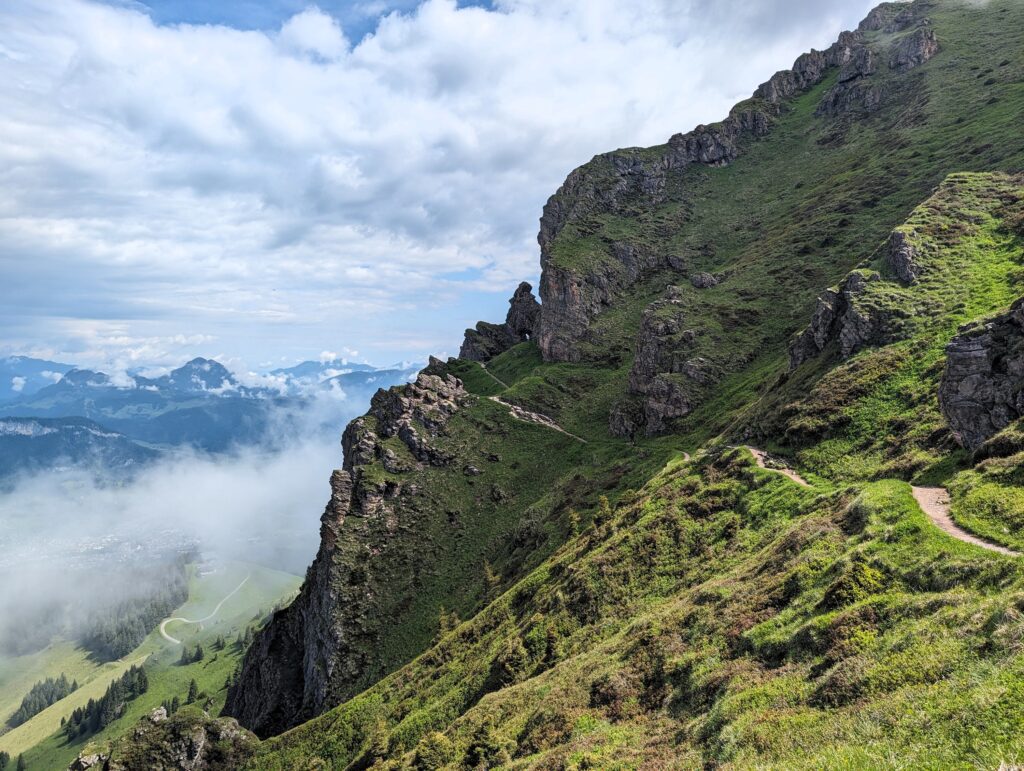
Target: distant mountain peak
(201, 374)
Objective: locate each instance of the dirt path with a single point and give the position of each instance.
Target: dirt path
(934, 501)
(760, 456)
(535, 417)
(494, 377)
(165, 622)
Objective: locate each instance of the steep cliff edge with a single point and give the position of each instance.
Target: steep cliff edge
(443, 497)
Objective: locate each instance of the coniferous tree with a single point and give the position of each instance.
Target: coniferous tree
(175, 705)
(199, 653)
(492, 581)
(193, 692)
(21, 763)
(5, 760)
(42, 695)
(99, 713)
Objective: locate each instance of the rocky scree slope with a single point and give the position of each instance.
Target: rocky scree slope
(673, 279)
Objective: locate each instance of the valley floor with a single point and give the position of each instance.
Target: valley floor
(229, 600)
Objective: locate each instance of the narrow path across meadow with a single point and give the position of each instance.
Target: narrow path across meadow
(934, 502)
(535, 417)
(761, 456)
(214, 612)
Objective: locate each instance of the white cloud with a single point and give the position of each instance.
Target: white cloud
(268, 189)
(17, 383)
(314, 32)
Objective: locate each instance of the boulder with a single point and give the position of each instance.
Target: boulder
(901, 257)
(703, 280)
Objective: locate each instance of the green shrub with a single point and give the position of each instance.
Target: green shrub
(434, 751)
(857, 581)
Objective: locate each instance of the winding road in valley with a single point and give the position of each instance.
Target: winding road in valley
(165, 622)
(934, 501)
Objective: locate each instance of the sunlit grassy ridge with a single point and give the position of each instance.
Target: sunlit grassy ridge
(725, 615)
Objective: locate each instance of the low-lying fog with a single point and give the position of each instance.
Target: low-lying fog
(68, 540)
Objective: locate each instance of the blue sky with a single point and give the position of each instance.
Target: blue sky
(264, 181)
(357, 18)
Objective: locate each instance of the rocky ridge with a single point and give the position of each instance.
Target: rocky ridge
(848, 316)
(489, 340)
(317, 651)
(189, 740)
(982, 387)
(624, 180)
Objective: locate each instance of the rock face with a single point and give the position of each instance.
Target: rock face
(318, 651)
(913, 49)
(901, 257)
(842, 316)
(887, 17)
(187, 741)
(982, 388)
(489, 340)
(854, 88)
(666, 375)
(703, 280)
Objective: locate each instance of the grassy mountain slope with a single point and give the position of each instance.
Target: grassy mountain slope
(704, 611)
(725, 615)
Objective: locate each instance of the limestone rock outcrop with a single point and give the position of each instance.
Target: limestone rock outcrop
(855, 89)
(848, 317)
(489, 340)
(913, 49)
(902, 258)
(982, 387)
(887, 17)
(667, 377)
(187, 741)
(318, 650)
(703, 280)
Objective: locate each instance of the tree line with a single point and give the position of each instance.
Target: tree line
(99, 713)
(40, 696)
(109, 612)
(118, 629)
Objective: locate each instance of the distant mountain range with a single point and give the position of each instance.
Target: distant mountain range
(22, 376)
(36, 444)
(84, 416)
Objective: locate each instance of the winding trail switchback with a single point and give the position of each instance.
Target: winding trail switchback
(214, 612)
(761, 456)
(934, 501)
